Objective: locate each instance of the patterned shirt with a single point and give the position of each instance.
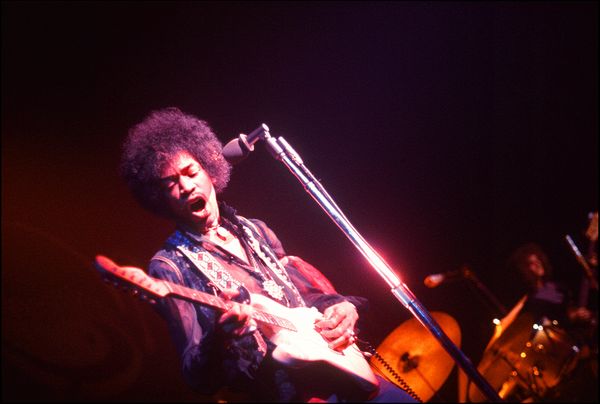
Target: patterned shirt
(211, 362)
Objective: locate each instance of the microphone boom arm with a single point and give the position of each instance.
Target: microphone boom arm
(470, 275)
(283, 152)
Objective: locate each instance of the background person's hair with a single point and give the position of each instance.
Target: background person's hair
(518, 262)
(152, 142)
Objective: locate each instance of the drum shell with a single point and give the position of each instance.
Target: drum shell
(527, 360)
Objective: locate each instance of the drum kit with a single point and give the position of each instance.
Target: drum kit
(525, 364)
(528, 360)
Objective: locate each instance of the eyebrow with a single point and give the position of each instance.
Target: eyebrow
(174, 176)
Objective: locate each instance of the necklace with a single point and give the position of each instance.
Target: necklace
(218, 231)
(271, 286)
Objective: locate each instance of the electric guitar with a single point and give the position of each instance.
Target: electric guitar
(292, 330)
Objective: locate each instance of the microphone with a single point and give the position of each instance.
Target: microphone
(434, 280)
(239, 148)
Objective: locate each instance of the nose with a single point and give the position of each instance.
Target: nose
(186, 185)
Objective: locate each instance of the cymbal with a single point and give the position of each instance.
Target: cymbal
(417, 356)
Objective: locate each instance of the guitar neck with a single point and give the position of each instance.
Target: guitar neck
(207, 299)
(590, 260)
(160, 288)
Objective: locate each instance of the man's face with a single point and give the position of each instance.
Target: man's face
(190, 192)
(535, 265)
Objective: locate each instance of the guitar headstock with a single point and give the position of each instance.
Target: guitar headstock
(592, 230)
(130, 276)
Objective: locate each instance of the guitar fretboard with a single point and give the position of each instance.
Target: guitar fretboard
(161, 288)
(215, 301)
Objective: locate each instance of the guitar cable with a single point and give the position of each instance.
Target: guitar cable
(402, 383)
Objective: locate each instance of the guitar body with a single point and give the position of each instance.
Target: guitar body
(305, 346)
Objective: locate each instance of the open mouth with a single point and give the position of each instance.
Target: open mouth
(198, 205)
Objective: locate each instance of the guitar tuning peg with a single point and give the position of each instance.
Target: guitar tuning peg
(151, 301)
(135, 292)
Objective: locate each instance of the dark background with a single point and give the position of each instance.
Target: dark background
(448, 132)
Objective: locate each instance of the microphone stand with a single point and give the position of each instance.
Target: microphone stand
(283, 152)
(470, 275)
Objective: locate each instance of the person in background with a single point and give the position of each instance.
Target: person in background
(545, 297)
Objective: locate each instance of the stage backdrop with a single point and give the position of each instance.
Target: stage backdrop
(449, 133)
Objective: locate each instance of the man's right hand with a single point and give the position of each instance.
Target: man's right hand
(237, 320)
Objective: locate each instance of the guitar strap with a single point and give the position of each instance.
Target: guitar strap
(213, 270)
(204, 262)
